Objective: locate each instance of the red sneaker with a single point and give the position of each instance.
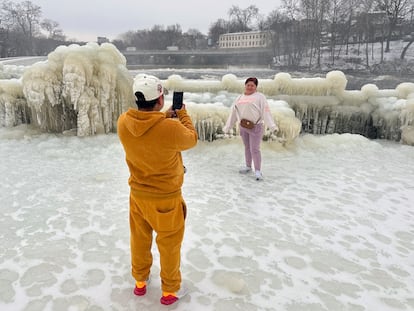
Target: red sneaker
(140, 288)
(170, 298)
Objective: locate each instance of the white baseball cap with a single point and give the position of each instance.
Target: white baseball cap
(149, 86)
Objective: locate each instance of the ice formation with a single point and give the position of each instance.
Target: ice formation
(85, 89)
(13, 108)
(321, 105)
(79, 87)
(11, 71)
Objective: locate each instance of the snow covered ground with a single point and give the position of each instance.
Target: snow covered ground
(330, 228)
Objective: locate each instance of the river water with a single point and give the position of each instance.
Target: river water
(355, 79)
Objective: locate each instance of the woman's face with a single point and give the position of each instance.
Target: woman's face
(249, 88)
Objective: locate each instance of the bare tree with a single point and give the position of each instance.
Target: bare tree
(290, 9)
(274, 23)
(407, 46)
(293, 32)
(157, 38)
(53, 30)
(289, 37)
(315, 12)
(6, 27)
(243, 17)
(174, 35)
(216, 29)
(337, 17)
(396, 10)
(25, 17)
(193, 39)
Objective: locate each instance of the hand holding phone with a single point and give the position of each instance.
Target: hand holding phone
(177, 100)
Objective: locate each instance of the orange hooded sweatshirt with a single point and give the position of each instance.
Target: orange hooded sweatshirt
(153, 145)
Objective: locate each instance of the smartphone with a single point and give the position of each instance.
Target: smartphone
(177, 100)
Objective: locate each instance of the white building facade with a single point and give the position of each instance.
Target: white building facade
(242, 40)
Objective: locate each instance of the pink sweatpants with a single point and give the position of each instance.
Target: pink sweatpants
(251, 140)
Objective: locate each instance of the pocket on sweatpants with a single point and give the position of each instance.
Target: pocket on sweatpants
(184, 209)
(169, 219)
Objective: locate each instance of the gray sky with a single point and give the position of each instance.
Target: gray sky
(87, 19)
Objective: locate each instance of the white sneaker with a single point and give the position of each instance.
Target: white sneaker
(245, 170)
(258, 175)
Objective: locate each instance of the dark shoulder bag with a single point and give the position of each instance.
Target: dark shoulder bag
(246, 124)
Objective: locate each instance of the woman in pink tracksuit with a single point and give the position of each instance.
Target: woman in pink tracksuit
(253, 107)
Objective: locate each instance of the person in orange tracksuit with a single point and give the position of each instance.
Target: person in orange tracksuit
(153, 141)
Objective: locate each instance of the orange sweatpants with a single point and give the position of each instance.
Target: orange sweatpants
(165, 215)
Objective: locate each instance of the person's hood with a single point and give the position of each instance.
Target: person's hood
(139, 122)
